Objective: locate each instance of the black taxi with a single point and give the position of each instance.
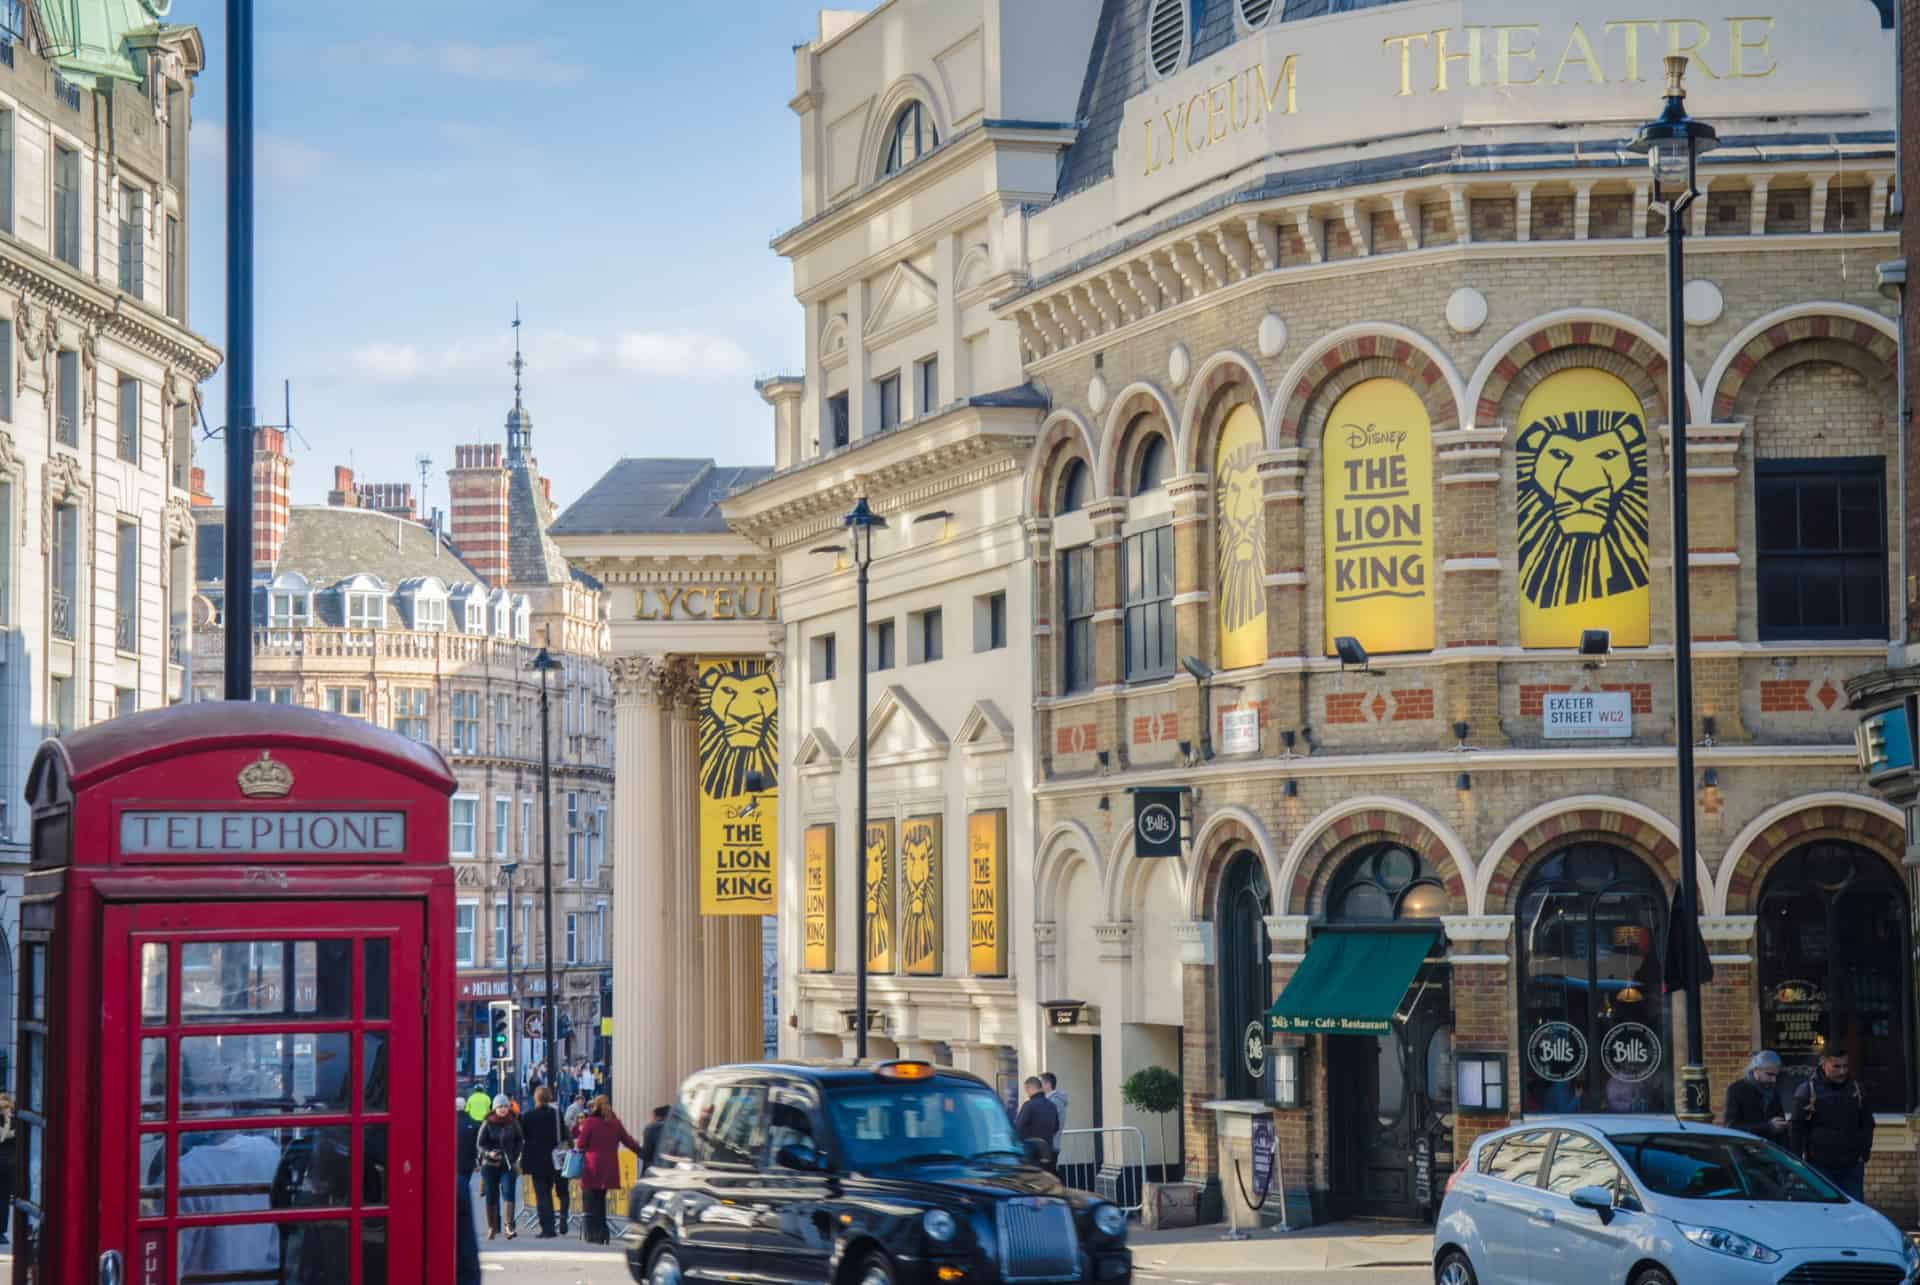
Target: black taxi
(891, 1174)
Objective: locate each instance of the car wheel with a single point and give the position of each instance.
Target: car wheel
(664, 1269)
(1455, 1269)
(876, 1272)
(1654, 1276)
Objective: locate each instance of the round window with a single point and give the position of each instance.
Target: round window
(1167, 36)
(1254, 13)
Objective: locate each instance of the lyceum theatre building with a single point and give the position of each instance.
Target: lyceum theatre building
(1350, 322)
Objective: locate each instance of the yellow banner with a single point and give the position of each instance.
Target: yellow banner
(739, 734)
(987, 893)
(816, 901)
(1377, 497)
(922, 873)
(1240, 541)
(879, 889)
(1581, 507)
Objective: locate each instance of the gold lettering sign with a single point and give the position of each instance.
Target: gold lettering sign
(1240, 541)
(1581, 505)
(816, 901)
(1221, 110)
(987, 893)
(1512, 55)
(739, 735)
(1377, 496)
(922, 872)
(705, 602)
(878, 881)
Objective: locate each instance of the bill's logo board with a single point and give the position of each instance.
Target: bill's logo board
(1581, 504)
(739, 734)
(816, 901)
(1240, 520)
(877, 881)
(987, 893)
(922, 873)
(1377, 495)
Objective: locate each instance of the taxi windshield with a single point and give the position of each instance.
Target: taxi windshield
(1705, 1166)
(891, 1124)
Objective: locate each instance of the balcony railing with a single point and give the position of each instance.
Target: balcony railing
(62, 613)
(126, 631)
(395, 645)
(65, 432)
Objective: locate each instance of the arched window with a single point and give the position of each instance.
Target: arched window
(1073, 489)
(1151, 471)
(1246, 976)
(913, 135)
(1593, 1006)
(1384, 882)
(1832, 945)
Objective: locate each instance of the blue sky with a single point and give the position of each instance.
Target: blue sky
(616, 168)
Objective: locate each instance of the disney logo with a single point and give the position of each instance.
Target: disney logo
(1360, 436)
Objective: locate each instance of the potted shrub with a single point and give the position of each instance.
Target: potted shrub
(1157, 1091)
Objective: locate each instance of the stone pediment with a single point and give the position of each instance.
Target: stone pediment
(986, 730)
(817, 753)
(906, 301)
(899, 730)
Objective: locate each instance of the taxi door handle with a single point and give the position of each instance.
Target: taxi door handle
(1480, 1197)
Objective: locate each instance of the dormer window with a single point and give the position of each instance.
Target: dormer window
(502, 611)
(427, 603)
(476, 616)
(366, 610)
(522, 620)
(289, 601)
(913, 136)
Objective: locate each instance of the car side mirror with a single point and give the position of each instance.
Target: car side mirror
(1598, 1199)
(799, 1156)
(1036, 1151)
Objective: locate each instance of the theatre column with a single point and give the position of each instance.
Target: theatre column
(642, 1073)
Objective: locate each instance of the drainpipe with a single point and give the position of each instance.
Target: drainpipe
(1892, 278)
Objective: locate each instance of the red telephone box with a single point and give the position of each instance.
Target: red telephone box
(236, 1004)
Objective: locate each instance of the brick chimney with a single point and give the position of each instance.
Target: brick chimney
(198, 495)
(477, 483)
(344, 494)
(272, 473)
(395, 499)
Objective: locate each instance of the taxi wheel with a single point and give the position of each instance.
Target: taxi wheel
(876, 1272)
(664, 1269)
(1455, 1269)
(1654, 1276)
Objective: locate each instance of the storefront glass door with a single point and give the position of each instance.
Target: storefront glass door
(261, 1103)
(1390, 1096)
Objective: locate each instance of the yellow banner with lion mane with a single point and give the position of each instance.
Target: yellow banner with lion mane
(739, 735)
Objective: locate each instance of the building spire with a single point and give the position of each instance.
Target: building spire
(519, 422)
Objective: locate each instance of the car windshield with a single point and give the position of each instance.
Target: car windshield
(1702, 1166)
(883, 1125)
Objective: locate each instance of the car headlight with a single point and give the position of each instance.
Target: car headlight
(939, 1225)
(1109, 1220)
(1722, 1241)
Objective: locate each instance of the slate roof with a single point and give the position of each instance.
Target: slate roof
(657, 497)
(1117, 71)
(532, 556)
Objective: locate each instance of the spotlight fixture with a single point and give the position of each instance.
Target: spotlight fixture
(1287, 738)
(1186, 751)
(1105, 804)
(1463, 782)
(1710, 780)
(1103, 758)
(1306, 734)
(1291, 789)
(1460, 731)
(1595, 646)
(1351, 653)
(1706, 728)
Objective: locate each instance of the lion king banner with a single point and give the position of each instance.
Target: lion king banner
(1581, 504)
(1377, 498)
(739, 734)
(1240, 541)
(922, 871)
(877, 884)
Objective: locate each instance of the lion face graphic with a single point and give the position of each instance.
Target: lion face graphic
(1240, 538)
(1582, 507)
(918, 870)
(879, 893)
(739, 726)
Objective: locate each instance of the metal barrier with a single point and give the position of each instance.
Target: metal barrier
(1111, 1163)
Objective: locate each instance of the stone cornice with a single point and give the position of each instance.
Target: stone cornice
(63, 290)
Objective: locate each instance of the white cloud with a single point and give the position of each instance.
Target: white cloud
(278, 158)
(505, 63)
(646, 353)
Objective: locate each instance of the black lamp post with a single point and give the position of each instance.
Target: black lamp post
(1673, 145)
(238, 603)
(861, 522)
(507, 870)
(545, 664)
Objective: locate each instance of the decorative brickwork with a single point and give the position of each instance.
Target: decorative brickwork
(1136, 420)
(1063, 442)
(1361, 358)
(1563, 829)
(1226, 387)
(1841, 332)
(1568, 344)
(1346, 835)
(1402, 705)
(1833, 821)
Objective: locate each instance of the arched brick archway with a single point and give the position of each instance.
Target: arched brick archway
(1064, 440)
(1563, 345)
(1141, 410)
(1577, 825)
(1355, 360)
(1228, 382)
(1870, 830)
(1223, 837)
(1311, 872)
(1749, 368)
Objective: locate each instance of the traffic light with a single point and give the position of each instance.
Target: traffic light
(500, 1028)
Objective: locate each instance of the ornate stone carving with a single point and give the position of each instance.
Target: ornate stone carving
(682, 688)
(637, 677)
(178, 517)
(11, 464)
(30, 324)
(89, 365)
(61, 482)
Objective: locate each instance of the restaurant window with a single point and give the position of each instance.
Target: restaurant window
(1148, 596)
(1246, 975)
(1076, 607)
(1831, 942)
(1384, 882)
(1822, 533)
(1593, 1007)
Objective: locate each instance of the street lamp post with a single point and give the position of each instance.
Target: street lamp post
(544, 664)
(1673, 145)
(508, 869)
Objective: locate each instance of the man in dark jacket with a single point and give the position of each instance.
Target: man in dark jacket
(1753, 1100)
(1037, 1121)
(650, 1137)
(1832, 1126)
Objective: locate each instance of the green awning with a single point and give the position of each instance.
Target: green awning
(1351, 982)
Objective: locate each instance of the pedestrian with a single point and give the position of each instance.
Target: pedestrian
(6, 1165)
(587, 1081)
(546, 1147)
(1038, 1121)
(465, 1154)
(1754, 1103)
(599, 1135)
(1832, 1127)
(466, 1246)
(1057, 1096)
(577, 1109)
(650, 1137)
(500, 1146)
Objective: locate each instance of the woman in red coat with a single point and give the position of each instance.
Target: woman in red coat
(599, 1136)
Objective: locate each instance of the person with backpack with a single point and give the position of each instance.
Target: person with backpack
(1832, 1125)
(545, 1158)
(500, 1145)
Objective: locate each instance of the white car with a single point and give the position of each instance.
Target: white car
(1647, 1200)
